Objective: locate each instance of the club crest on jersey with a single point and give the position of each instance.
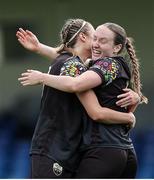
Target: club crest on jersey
(57, 169)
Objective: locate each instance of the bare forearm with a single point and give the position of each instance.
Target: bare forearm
(109, 116)
(80, 83)
(47, 51)
(57, 82)
(102, 114)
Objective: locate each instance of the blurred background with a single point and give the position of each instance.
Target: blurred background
(19, 105)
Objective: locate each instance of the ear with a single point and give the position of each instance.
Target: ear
(82, 37)
(117, 48)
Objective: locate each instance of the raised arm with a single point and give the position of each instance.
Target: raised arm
(29, 41)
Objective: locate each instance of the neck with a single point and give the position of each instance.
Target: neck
(81, 52)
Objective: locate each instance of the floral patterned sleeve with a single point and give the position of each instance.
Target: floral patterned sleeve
(107, 68)
(72, 67)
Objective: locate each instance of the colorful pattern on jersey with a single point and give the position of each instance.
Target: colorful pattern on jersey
(72, 67)
(109, 68)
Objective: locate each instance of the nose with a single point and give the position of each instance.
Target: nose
(95, 44)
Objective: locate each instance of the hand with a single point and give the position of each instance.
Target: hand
(128, 98)
(31, 77)
(28, 40)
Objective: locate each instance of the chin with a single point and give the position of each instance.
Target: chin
(96, 57)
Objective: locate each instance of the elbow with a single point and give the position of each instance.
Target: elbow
(71, 87)
(75, 87)
(97, 116)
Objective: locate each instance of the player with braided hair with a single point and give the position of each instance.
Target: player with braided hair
(107, 149)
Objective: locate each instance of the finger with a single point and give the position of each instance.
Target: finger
(22, 82)
(25, 74)
(123, 95)
(30, 70)
(122, 100)
(22, 78)
(20, 38)
(125, 105)
(29, 33)
(21, 41)
(22, 31)
(17, 34)
(126, 89)
(25, 83)
(20, 35)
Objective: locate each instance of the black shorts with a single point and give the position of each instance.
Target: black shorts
(46, 168)
(107, 163)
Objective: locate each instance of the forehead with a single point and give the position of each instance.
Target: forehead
(103, 32)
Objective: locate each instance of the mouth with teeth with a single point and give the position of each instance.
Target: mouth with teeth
(96, 54)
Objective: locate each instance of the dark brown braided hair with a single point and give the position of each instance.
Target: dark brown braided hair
(121, 38)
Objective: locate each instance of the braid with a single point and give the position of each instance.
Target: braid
(135, 70)
(64, 35)
(70, 31)
(66, 30)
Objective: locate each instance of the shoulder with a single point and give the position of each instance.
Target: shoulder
(106, 64)
(107, 68)
(73, 67)
(73, 60)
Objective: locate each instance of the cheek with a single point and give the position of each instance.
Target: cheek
(90, 43)
(90, 40)
(106, 47)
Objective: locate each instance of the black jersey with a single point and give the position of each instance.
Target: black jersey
(115, 76)
(59, 127)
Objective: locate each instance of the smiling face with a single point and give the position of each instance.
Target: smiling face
(103, 43)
